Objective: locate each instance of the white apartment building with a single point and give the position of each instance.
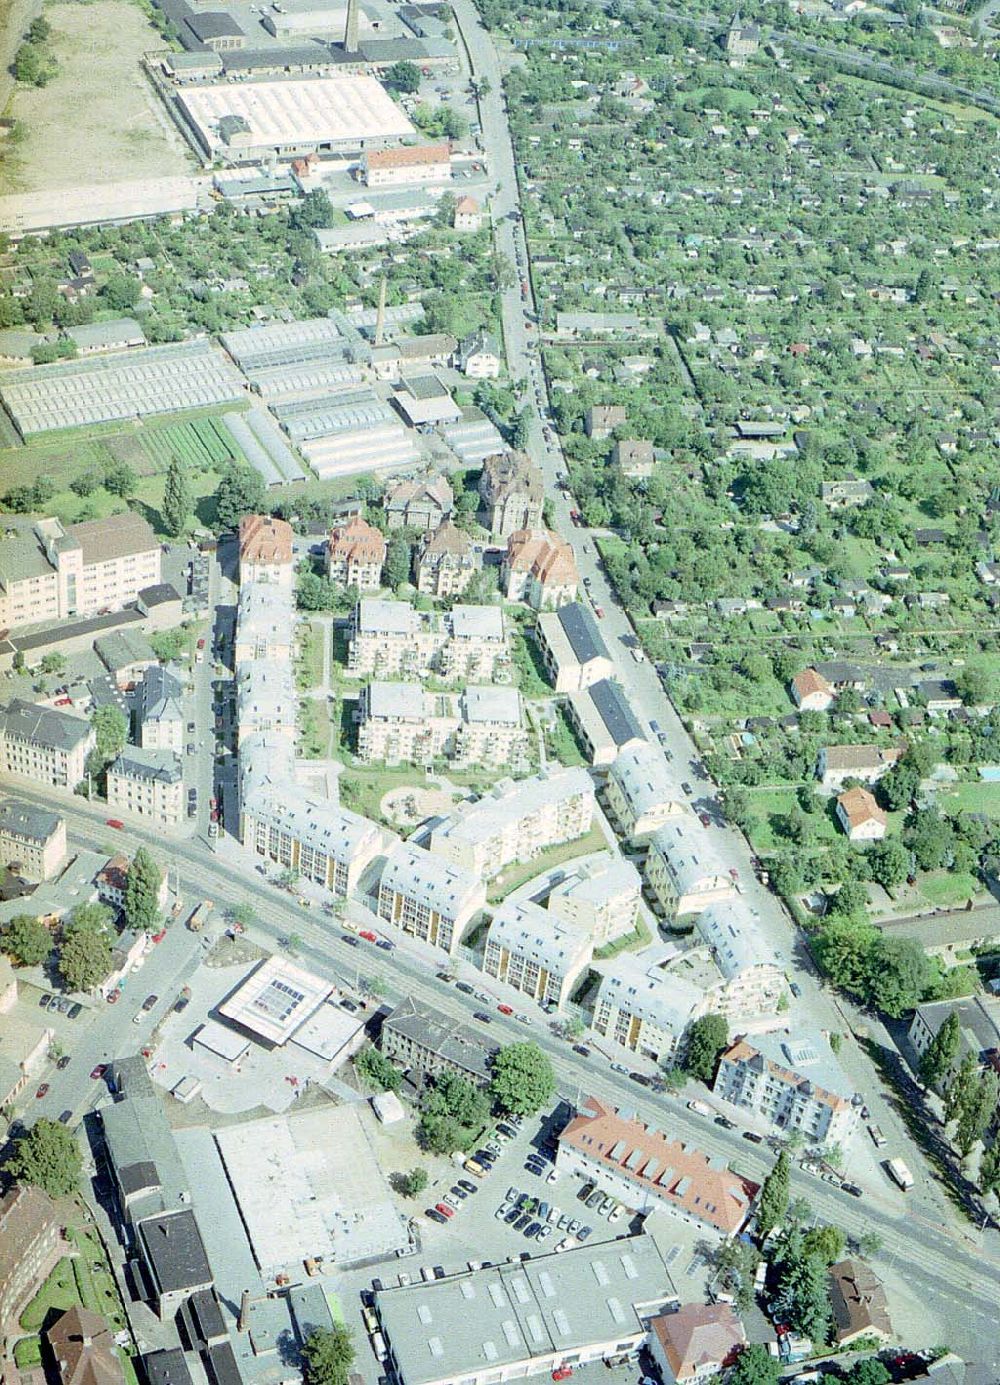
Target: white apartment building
(531, 949)
(515, 822)
(572, 648)
(683, 871)
(794, 1082)
(413, 163)
(389, 639)
(752, 982)
(159, 711)
(869, 763)
(402, 722)
(323, 842)
(265, 698)
(641, 792)
(645, 1012)
(52, 572)
(149, 783)
(44, 744)
(32, 840)
(427, 897)
(601, 899)
(265, 623)
(266, 552)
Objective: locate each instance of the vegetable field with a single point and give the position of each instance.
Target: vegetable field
(199, 444)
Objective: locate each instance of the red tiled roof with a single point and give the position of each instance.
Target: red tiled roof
(677, 1174)
(264, 539)
(409, 155)
(698, 1336)
(357, 541)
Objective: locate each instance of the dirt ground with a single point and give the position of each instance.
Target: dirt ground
(126, 134)
(406, 807)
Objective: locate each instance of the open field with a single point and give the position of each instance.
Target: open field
(124, 135)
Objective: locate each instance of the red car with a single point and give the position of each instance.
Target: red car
(112, 997)
(42, 1090)
(114, 822)
(563, 1373)
(704, 819)
(201, 644)
(64, 702)
(158, 937)
(599, 612)
(444, 1209)
(505, 1009)
(99, 1071)
(368, 935)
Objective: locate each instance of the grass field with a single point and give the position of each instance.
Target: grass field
(98, 120)
(947, 888)
(513, 876)
(971, 798)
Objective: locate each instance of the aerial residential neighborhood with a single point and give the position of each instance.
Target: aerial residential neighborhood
(499, 693)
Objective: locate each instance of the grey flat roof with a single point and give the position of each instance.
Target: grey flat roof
(62, 631)
(118, 332)
(581, 630)
(483, 1320)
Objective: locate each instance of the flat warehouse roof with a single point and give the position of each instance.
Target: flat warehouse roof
(335, 110)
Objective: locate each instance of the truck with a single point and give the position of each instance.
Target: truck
(199, 914)
(899, 1173)
(702, 1108)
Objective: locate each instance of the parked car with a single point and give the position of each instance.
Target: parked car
(64, 1062)
(41, 1091)
(149, 1002)
(444, 1209)
(99, 1071)
(65, 1117)
(114, 822)
(349, 939)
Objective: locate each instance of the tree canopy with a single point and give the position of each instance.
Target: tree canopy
(705, 1039)
(48, 1157)
(773, 1201)
(240, 492)
(142, 885)
(522, 1080)
(26, 940)
(328, 1354)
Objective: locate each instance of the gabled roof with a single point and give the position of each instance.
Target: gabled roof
(264, 539)
(83, 1346)
(698, 1337)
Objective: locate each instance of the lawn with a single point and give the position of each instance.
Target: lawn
(363, 790)
(971, 798)
(314, 719)
(58, 1293)
(770, 805)
(561, 742)
(639, 937)
(309, 665)
(948, 888)
(515, 875)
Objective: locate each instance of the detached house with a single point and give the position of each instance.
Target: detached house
(539, 568)
(811, 692)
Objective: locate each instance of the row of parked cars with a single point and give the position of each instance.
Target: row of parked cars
(602, 1204)
(536, 1219)
(58, 1004)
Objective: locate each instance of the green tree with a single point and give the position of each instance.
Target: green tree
(825, 1241)
(452, 1113)
(243, 913)
(522, 1080)
(314, 211)
(397, 562)
(899, 975)
(121, 292)
(53, 664)
(120, 479)
(754, 1366)
(989, 1170)
(803, 1297)
(704, 1041)
(737, 1261)
(956, 1092)
(938, 1058)
(978, 1109)
(48, 1157)
(773, 1201)
(178, 502)
(403, 77)
(328, 1354)
(240, 492)
(376, 1070)
(26, 939)
(868, 1371)
(84, 960)
(413, 1183)
(110, 731)
(142, 887)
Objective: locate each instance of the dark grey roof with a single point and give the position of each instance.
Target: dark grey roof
(43, 725)
(214, 24)
(157, 594)
(220, 1363)
(25, 820)
(134, 1178)
(205, 1316)
(167, 1367)
(160, 695)
(274, 59)
(161, 765)
(448, 1039)
(613, 706)
(581, 630)
(59, 634)
(174, 1251)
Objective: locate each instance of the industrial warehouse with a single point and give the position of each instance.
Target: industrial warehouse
(244, 124)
